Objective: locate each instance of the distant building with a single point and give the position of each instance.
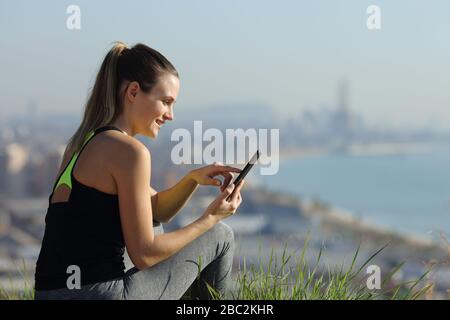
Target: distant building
(3, 170)
(43, 171)
(13, 161)
(54, 159)
(37, 178)
(5, 221)
(341, 122)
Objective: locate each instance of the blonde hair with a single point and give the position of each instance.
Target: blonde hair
(139, 63)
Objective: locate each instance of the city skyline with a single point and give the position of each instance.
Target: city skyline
(289, 57)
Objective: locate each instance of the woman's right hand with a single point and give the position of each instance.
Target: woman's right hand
(221, 208)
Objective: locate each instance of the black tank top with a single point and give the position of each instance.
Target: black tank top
(84, 231)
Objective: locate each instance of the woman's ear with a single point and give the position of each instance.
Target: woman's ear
(132, 90)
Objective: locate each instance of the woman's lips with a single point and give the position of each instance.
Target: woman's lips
(159, 122)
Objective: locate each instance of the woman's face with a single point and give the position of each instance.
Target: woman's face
(150, 110)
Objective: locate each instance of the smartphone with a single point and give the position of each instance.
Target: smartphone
(245, 171)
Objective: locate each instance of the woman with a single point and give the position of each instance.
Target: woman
(102, 201)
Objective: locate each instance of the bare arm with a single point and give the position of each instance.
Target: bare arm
(166, 204)
(167, 244)
(131, 170)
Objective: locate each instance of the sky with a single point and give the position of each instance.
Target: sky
(290, 55)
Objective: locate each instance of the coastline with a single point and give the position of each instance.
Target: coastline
(342, 221)
(372, 149)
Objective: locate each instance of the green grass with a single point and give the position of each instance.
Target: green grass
(27, 293)
(301, 280)
(293, 277)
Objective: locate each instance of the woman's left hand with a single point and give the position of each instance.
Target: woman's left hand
(205, 175)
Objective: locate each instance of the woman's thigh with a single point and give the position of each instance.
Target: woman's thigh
(171, 278)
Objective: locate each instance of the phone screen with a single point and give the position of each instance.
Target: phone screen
(245, 171)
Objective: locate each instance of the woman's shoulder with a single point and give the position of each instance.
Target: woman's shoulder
(118, 142)
(122, 151)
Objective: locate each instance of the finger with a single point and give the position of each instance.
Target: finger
(213, 182)
(221, 168)
(233, 169)
(240, 185)
(216, 170)
(233, 197)
(236, 191)
(235, 202)
(226, 193)
(239, 199)
(228, 176)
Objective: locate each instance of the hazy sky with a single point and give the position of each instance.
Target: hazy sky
(289, 54)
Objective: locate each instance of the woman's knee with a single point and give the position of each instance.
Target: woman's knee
(223, 232)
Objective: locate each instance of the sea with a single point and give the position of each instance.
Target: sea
(405, 192)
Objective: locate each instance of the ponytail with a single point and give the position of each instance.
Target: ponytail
(140, 63)
(102, 105)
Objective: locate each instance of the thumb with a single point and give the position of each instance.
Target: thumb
(228, 190)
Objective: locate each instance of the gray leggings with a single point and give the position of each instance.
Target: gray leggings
(171, 278)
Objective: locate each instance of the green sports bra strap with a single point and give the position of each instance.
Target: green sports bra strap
(66, 176)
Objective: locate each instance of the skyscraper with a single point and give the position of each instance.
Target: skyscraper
(344, 117)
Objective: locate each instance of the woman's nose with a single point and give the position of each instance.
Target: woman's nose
(168, 116)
